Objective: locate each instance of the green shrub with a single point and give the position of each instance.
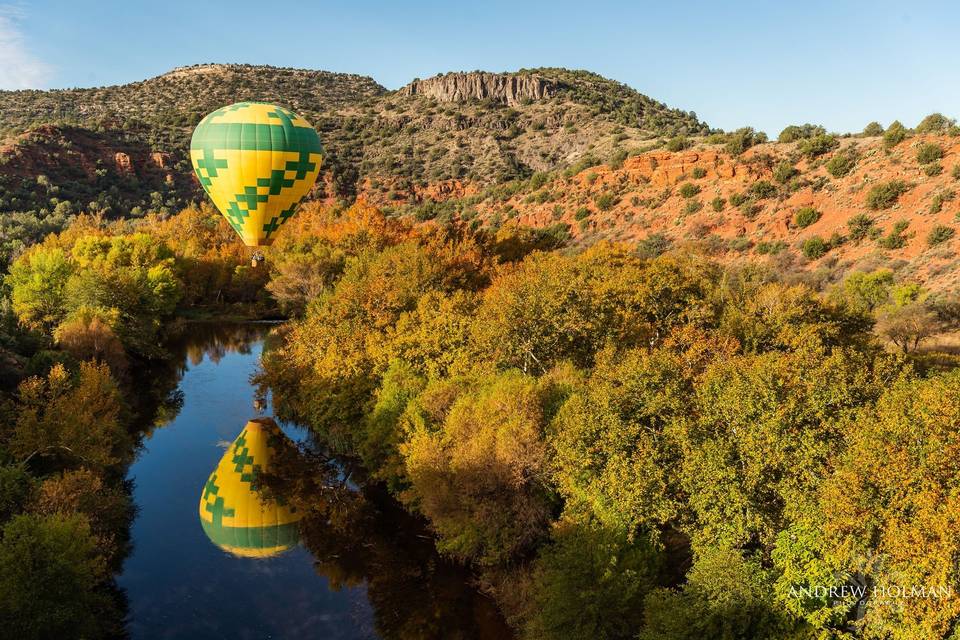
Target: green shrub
(688, 190)
(814, 248)
(955, 172)
(698, 172)
(894, 135)
(793, 132)
(618, 158)
(933, 169)
(936, 204)
(886, 194)
(737, 199)
(749, 209)
(581, 213)
(692, 206)
(762, 189)
(935, 123)
(771, 248)
(742, 139)
(605, 201)
(929, 152)
(896, 238)
(818, 145)
(783, 172)
(718, 204)
(842, 162)
(805, 217)
(873, 129)
(654, 245)
(860, 226)
(678, 143)
(940, 233)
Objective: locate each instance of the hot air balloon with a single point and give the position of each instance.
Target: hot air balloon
(233, 513)
(256, 161)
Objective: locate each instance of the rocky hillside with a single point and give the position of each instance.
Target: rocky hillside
(822, 206)
(480, 127)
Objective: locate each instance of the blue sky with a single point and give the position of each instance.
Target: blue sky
(763, 64)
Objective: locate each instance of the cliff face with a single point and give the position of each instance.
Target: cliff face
(510, 89)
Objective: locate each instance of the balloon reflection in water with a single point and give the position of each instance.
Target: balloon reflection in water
(234, 513)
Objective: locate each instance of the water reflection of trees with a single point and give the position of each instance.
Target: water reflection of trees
(363, 537)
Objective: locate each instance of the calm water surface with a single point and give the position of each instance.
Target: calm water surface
(179, 584)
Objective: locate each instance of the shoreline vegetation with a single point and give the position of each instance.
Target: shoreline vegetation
(619, 441)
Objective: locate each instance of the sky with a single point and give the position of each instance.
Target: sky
(761, 64)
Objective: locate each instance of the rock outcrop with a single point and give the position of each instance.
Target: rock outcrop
(506, 88)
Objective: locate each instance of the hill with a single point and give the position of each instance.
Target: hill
(480, 127)
(821, 208)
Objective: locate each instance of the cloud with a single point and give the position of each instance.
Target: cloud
(19, 68)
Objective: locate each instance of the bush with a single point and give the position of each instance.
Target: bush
(742, 139)
(692, 206)
(618, 158)
(688, 190)
(936, 204)
(581, 213)
(654, 245)
(718, 204)
(873, 129)
(605, 201)
(929, 152)
(698, 172)
(15, 488)
(783, 172)
(814, 247)
(955, 172)
(818, 145)
(935, 123)
(678, 143)
(771, 248)
(842, 162)
(886, 194)
(805, 217)
(896, 238)
(933, 169)
(860, 226)
(762, 189)
(749, 209)
(940, 233)
(737, 199)
(894, 135)
(794, 132)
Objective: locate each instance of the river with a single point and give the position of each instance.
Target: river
(373, 573)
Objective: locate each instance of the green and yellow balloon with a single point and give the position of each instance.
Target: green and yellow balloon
(256, 161)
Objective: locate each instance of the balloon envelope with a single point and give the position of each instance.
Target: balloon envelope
(233, 513)
(256, 161)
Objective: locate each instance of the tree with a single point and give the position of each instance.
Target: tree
(73, 418)
(864, 291)
(935, 123)
(890, 507)
(476, 468)
(37, 283)
(727, 595)
(590, 582)
(907, 326)
(52, 580)
(302, 272)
